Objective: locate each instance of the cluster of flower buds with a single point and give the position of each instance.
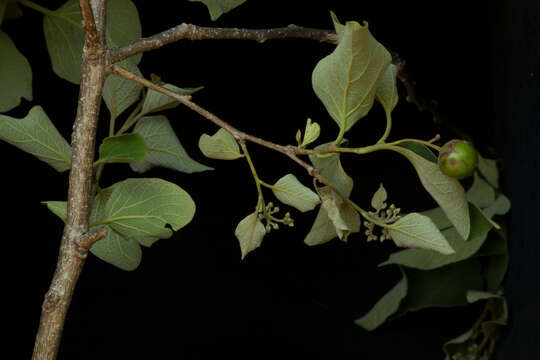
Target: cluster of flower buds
(271, 221)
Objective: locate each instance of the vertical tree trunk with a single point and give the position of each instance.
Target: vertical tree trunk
(72, 253)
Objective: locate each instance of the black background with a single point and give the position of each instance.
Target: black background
(192, 297)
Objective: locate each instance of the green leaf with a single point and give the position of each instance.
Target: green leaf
(322, 230)
(488, 168)
(386, 306)
(481, 193)
(164, 147)
(330, 168)
(290, 191)
(330, 204)
(426, 260)
(446, 191)
(311, 133)
(500, 207)
(36, 135)
(221, 145)
(339, 27)
(65, 37)
(120, 93)
(220, 7)
(15, 75)
(419, 149)
(418, 231)
(58, 208)
(143, 207)
(250, 232)
(123, 148)
(387, 93)
(346, 80)
(438, 217)
(495, 270)
(378, 200)
(155, 101)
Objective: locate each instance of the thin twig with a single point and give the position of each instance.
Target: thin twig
(194, 32)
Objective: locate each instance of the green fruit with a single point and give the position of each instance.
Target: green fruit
(458, 159)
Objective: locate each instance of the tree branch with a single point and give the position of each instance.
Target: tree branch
(194, 32)
(70, 261)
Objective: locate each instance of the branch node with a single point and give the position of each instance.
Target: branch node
(86, 240)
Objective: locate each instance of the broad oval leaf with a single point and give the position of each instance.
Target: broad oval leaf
(427, 260)
(120, 93)
(290, 191)
(155, 101)
(221, 145)
(386, 306)
(418, 231)
(346, 80)
(143, 207)
(37, 135)
(387, 93)
(446, 191)
(122, 252)
(250, 233)
(122, 149)
(15, 75)
(164, 147)
(65, 37)
(216, 8)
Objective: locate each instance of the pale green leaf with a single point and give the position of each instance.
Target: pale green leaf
(65, 37)
(58, 208)
(165, 149)
(426, 259)
(419, 149)
(221, 145)
(378, 199)
(155, 101)
(500, 206)
(37, 135)
(123, 148)
(329, 167)
(387, 93)
(250, 233)
(322, 230)
(438, 217)
(446, 191)
(481, 193)
(311, 133)
(386, 306)
(220, 7)
(488, 168)
(331, 206)
(120, 93)
(144, 207)
(290, 191)
(418, 231)
(15, 75)
(346, 80)
(339, 27)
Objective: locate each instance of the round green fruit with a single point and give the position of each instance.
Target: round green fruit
(458, 159)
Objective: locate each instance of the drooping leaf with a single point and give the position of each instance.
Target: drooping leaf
(250, 232)
(37, 135)
(221, 145)
(120, 93)
(387, 93)
(500, 206)
(378, 200)
(481, 193)
(311, 133)
(330, 168)
(123, 148)
(144, 207)
(426, 260)
(155, 101)
(290, 191)
(65, 37)
(164, 147)
(446, 191)
(418, 231)
(15, 75)
(346, 80)
(385, 307)
(330, 204)
(220, 7)
(322, 230)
